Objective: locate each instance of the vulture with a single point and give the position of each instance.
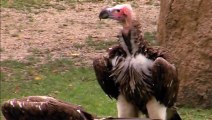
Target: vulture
(43, 108)
(139, 76)
(47, 108)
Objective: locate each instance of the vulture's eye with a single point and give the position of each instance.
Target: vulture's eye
(117, 10)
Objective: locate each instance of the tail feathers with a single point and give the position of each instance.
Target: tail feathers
(172, 114)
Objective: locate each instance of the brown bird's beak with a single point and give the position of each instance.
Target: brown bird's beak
(104, 14)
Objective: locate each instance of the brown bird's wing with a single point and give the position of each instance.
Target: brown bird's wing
(166, 81)
(42, 108)
(102, 68)
(166, 85)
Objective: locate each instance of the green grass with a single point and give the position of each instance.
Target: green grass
(99, 44)
(23, 4)
(78, 45)
(195, 114)
(28, 4)
(61, 79)
(150, 36)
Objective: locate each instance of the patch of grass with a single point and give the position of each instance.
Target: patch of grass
(100, 44)
(89, 41)
(23, 4)
(12, 64)
(150, 37)
(13, 70)
(78, 45)
(56, 66)
(195, 114)
(32, 59)
(62, 80)
(59, 79)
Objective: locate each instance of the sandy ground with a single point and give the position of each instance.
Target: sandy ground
(61, 32)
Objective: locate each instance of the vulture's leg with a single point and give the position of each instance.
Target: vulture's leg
(126, 109)
(166, 86)
(102, 68)
(156, 110)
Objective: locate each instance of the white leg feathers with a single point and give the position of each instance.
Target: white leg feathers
(126, 109)
(156, 110)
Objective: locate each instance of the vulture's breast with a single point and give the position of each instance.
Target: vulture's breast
(134, 76)
(141, 64)
(130, 67)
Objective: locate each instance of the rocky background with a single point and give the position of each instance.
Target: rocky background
(185, 28)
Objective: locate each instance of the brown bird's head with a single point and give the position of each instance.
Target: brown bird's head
(122, 13)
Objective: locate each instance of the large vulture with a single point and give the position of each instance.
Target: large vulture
(141, 77)
(47, 108)
(43, 108)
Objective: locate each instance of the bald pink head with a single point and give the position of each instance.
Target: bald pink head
(122, 13)
(118, 12)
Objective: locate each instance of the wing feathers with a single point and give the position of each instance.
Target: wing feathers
(166, 81)
(42, 108)
(102, 68)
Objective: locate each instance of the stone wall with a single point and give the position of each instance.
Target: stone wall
(185, 28)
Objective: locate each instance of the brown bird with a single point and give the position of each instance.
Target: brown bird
(47, 108)
(43, 108)
(141, 77)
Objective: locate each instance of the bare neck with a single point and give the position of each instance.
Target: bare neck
(127, 23)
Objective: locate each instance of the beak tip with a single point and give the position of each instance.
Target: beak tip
(103, 14)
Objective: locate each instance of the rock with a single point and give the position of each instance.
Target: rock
(185, 28)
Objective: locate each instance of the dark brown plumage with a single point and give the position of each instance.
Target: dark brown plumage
(42, 108)
(142, 74)
(47, 108)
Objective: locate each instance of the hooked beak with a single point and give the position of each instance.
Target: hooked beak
(104, 14)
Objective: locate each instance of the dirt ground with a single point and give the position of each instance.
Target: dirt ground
(61, 30)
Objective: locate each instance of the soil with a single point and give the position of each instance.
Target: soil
(61, 30)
